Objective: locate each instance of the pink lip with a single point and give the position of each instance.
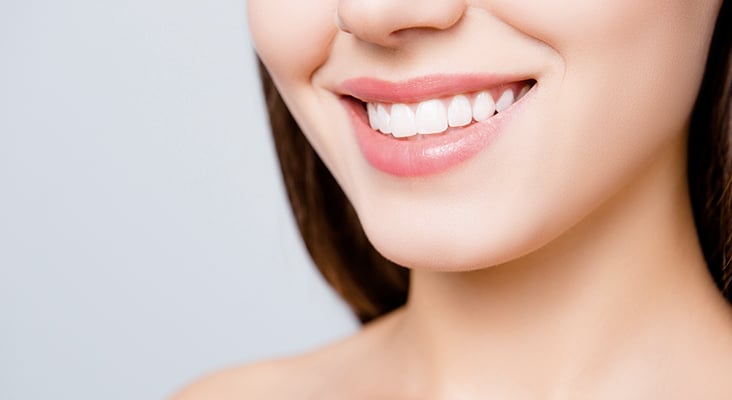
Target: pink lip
(423, 155)
(423, 88)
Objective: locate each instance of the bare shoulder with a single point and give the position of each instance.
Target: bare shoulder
(305, 376)
(259, 380)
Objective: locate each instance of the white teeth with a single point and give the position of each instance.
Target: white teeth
(402, 122)
(382, 119)
(437, 115)
(505, 100)
(484, 107)
(431, 117)
(371, 109)
(459, 112)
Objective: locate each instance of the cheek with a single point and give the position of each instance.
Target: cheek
(591, 22)
(646, 40)
(292, 37)
(630, 69)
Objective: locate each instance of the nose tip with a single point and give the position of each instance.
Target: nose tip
(382, 21)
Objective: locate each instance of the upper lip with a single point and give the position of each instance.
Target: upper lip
(372, 90)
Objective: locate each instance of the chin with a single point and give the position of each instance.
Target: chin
(449, 242)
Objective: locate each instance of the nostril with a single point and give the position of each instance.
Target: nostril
(404, 33)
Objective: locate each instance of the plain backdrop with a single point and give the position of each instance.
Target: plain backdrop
(144, 232)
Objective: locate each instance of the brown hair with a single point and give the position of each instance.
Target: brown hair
(373, 285)
(710, 156)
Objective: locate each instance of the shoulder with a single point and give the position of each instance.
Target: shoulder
(307, 376)
(263, 380)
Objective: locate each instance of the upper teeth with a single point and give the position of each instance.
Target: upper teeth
(437, 115)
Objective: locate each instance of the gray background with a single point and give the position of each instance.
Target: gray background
(144, 235)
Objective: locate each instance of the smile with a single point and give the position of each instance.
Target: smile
(437, 115)
(427, 126)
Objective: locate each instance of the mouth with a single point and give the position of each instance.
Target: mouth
(426, 126)
(437, 115)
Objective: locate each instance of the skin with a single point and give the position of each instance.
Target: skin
(561, 262)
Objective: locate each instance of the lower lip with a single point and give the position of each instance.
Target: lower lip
(424, 155)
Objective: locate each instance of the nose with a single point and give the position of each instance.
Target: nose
(384, 22)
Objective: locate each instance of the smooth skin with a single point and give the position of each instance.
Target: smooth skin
(562, 262)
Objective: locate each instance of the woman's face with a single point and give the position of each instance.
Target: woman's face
(473, 169)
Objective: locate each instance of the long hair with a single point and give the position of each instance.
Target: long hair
(710, 155)
(373, 286)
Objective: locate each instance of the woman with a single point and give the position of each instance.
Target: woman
(553, 175)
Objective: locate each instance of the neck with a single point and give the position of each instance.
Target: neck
(626, 281)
